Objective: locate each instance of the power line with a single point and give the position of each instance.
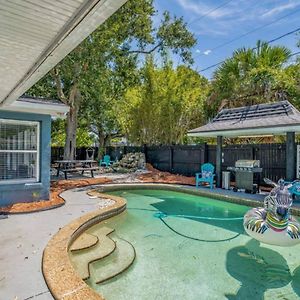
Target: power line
(295, 53)
(284, 35)
(292, 61)
(207, 68)
(254, 48)
(251, 31)
(209, 12)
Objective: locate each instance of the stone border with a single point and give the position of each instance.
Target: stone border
(61, 278)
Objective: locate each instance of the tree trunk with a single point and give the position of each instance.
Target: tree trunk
(73, 101)
(107, 139)
(72, 123)
(101, 141)
(71, 129)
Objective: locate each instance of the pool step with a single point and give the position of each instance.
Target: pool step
(114, 264)
(84, 241)
(81, 260)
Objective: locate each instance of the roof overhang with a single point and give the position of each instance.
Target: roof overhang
(274, 130)
(275, 118)
(53, 109)
(35, 36)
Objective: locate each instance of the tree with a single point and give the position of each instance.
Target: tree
(114, 46)
(164, 105)
(253, 76)
(99, 111)
(58, 134)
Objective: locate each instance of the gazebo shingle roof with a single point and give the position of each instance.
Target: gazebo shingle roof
(278, 117)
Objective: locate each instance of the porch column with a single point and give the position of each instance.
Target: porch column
(219, 161)
(290, 156)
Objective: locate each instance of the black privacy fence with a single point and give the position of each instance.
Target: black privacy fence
(187, 159)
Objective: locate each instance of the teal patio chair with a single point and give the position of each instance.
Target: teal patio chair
(105, 161)
(206, 175)
(295, 189)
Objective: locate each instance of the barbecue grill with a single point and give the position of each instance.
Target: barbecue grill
(247, 175)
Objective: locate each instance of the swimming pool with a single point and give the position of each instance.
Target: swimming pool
(192, 247)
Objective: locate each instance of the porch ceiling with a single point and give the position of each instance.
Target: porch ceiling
(37, 34)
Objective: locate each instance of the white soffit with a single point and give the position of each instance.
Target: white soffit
(36, 34)
(279, 130)
(55, 110)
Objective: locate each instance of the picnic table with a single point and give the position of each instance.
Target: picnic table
(71, 165)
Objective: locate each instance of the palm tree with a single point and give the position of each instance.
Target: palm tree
(250, 76)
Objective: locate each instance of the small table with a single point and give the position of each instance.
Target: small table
(72, 165)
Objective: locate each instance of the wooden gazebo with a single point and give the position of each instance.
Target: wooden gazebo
(279, 118)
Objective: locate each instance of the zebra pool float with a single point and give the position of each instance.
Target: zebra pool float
(273, 223)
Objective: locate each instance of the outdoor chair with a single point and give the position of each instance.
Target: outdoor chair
(295, 189)
(105, 161)
(206, 175)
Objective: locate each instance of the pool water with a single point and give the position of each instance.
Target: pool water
(192, 247)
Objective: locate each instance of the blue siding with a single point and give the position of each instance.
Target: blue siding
(12, 193)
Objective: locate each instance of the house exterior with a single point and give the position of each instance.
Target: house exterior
(34, 37)
(25, 149)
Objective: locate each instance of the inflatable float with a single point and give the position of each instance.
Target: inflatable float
(273, 223)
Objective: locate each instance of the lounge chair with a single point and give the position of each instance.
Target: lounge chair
(105, 161)
(295, 189)
(206, 175)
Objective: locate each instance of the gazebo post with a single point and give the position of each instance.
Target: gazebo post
(290, 156)
(219, 161)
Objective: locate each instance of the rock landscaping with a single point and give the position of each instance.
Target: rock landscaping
(130, 162)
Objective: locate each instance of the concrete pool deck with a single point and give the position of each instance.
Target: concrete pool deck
(23, 239)
(25, 236)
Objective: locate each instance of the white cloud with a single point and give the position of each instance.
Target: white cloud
(281, 8)
(201, 9)
(207, 19)
(207, 52)
(198, 51)
(235, 18)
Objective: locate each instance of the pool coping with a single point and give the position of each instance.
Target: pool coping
(238, 199)
(60, 276)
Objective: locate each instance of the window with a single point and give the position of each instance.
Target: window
(19, 151)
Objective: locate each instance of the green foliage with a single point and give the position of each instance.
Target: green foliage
(254, 76)
(58, 135)
(164, 105)
(94, 77)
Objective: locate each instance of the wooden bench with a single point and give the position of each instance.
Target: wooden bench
(82, 169)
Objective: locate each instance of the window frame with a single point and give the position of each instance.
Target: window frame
(37, 151)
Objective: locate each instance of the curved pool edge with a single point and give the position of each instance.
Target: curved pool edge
(61, 278)
(238, 199)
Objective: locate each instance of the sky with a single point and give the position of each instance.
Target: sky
(218, 22)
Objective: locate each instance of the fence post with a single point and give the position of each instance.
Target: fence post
(253, 151)
(145, 151)
(219, 161)
(170, 159)
(204, 151)
(290, 156)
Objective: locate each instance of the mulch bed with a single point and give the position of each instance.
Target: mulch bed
(57, 187)
(157, 176)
